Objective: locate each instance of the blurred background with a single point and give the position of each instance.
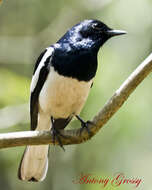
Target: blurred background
(124, 144)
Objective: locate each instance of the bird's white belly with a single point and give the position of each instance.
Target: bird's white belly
(62, 96)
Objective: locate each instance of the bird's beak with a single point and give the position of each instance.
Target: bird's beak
(112, 32)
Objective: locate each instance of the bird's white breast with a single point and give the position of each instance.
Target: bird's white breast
(62, 96)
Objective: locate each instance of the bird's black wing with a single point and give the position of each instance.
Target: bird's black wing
(40, 74)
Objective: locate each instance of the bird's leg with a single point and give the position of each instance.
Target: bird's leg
(56, 134)
(84, 124)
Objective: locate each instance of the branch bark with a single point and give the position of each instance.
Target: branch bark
(73, 136)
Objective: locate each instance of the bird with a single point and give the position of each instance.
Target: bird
(62, 78)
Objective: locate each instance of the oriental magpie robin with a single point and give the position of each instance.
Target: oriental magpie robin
(62, 78)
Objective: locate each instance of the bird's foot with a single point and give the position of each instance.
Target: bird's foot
(84, 125)
(56, 136)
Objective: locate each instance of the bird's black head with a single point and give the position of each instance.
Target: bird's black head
(76, 52)
(90, 34)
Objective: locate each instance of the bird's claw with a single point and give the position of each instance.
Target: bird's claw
(84, 125)
(56, 136)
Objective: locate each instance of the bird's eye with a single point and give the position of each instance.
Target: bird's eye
(96, 26)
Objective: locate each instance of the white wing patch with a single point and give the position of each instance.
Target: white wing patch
(41, 64)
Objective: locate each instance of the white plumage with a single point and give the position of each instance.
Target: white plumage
(60, 97)
(41, 64)
(63, 96)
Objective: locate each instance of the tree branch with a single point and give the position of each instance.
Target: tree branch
(73, 136)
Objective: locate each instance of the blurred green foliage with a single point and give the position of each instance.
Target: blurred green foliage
(11, 84)
(124, 144)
